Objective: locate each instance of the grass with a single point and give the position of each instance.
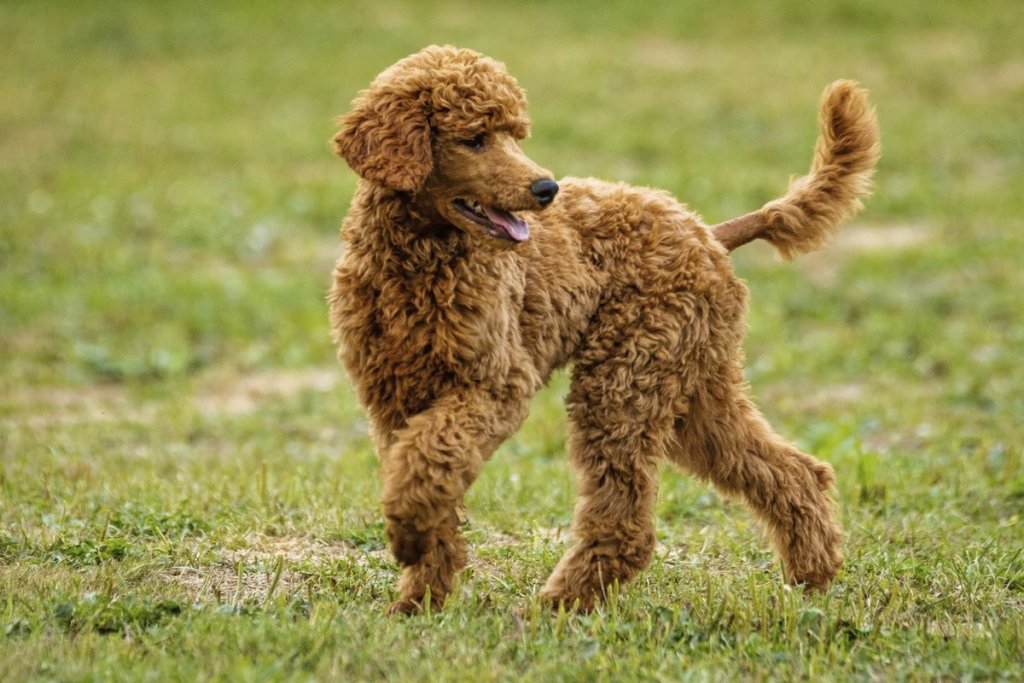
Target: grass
(187, 489)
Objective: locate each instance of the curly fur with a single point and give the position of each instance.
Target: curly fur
(459, 294)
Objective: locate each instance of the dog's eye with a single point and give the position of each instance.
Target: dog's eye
(475, 142)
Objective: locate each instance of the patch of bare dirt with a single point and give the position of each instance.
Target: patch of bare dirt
(224, 583)
(882, 237)
(43, 407)
(247, 574)
(262, 548)
(215, 393)
(823, 266)
(219, 395)
(555, 534)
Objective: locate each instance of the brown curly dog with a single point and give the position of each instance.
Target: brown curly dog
(469, 275)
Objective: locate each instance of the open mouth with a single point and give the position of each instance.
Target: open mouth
(498, 222)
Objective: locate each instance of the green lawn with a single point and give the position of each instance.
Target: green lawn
(187, 489)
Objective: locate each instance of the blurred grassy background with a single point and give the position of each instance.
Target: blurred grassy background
(168, 219)
(147, 142)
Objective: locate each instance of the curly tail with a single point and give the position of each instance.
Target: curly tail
(809, 214)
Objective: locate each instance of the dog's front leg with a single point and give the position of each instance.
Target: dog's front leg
(426, 470)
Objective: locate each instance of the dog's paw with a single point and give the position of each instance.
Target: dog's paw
(570, 601)
(816, 579)
(405, 607)
(408, 544)
(560, 594)
(410, 606)
(814, 584)
(815, 566)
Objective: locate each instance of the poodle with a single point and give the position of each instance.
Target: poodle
(469, 275)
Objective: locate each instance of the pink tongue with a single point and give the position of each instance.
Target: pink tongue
(514, 226)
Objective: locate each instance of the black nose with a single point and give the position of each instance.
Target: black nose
(544, 190)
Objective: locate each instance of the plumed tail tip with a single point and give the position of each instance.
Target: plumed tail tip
(848, 126)
(842, 91)
(808, 215)
(848, 148)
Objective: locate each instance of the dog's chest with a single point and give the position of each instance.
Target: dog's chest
(408, 338)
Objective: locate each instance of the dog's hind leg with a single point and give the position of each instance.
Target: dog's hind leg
(724, 439)
(427, 468)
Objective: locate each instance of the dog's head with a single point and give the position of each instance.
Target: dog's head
(444, 125)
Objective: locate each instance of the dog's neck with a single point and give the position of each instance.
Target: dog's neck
(384, 221)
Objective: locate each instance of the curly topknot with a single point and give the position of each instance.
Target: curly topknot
(466, 89)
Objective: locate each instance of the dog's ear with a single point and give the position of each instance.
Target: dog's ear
(386, 139)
